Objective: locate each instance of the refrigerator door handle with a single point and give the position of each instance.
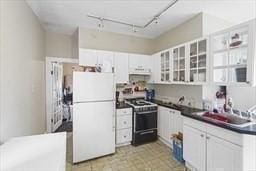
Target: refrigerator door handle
(114, 119)
(94, 101)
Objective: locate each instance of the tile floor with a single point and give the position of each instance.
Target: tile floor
(149, 157)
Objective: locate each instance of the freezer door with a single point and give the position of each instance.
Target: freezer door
(91, 87)
(93, 130)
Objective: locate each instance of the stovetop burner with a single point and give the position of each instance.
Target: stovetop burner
(141, 104)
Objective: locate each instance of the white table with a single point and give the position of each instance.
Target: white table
(34, 153)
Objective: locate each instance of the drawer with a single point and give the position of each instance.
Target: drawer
(194, 123)
(126, 111)
(123, 136)
(124, 121)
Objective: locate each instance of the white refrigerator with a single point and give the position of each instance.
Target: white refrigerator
(93, 115)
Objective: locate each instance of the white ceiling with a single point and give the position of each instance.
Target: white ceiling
(66, 15)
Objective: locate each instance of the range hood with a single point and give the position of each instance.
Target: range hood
(139, 71)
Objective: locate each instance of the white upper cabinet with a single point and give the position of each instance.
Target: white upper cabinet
(88, 57)
(99, 58)
(198, 61)
(165, 67)
(105, 60)
(179, 68)
(121, 67)
(138, 62)
(233, 55)
(155, 68)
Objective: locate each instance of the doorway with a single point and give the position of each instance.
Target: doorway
(59, 93)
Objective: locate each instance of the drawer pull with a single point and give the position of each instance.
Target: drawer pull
(202, 135)
(125, 122)
(124, 136)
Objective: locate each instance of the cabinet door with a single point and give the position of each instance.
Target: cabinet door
(121, 68)
(223, 155)
(139, 61)
(163, 123)
(194, 146)
(177, 122)
(198, 61)
(157, 65)
(179, 64)
(166, 125)
(105, 60)
(155, 68)
(87, 57)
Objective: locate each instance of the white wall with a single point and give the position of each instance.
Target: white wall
(213, 24)
(189, 30)
(174, 92)
(103, 40)
(22, 91)
(243, 97)
(58, 45)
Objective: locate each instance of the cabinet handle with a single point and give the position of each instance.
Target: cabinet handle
(207, 138)
(125, 136)
(202, 135)
(125, 122)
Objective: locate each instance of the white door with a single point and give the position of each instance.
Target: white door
(223, 155)
(90, 86)
(194, 146)
(93, 130)
(57, 95)
(121, 68)
(87, 57)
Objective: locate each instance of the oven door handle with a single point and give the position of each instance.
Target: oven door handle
(141, 113)
(147, 132)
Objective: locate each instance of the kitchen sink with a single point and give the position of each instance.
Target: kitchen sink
(226, 118)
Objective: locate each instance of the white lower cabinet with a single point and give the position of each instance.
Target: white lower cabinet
(223, 155)
(222, 151)
(194, 147)
(124, 136)
(169, 122)
(123, 126)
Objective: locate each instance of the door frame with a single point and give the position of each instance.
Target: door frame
(48, 92)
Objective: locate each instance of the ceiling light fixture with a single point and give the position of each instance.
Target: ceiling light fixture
(134, 29)
(134, 26)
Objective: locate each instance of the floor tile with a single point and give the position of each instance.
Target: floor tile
(154, 156)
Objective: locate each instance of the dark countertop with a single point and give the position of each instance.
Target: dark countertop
(122, 105)
(188, 112)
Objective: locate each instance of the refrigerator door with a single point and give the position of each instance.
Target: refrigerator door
(93, 130)
(93, 87)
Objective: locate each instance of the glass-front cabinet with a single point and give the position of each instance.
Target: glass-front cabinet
(232, 54)
(165, 66)
(198, 57)
(179, 63)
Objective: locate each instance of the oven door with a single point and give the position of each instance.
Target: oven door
(145, 120)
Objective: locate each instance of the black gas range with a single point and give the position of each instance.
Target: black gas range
(144, 121)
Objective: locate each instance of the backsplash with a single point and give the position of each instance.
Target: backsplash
(172, 93)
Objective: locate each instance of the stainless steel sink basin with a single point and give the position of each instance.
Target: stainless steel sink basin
(226, 119)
